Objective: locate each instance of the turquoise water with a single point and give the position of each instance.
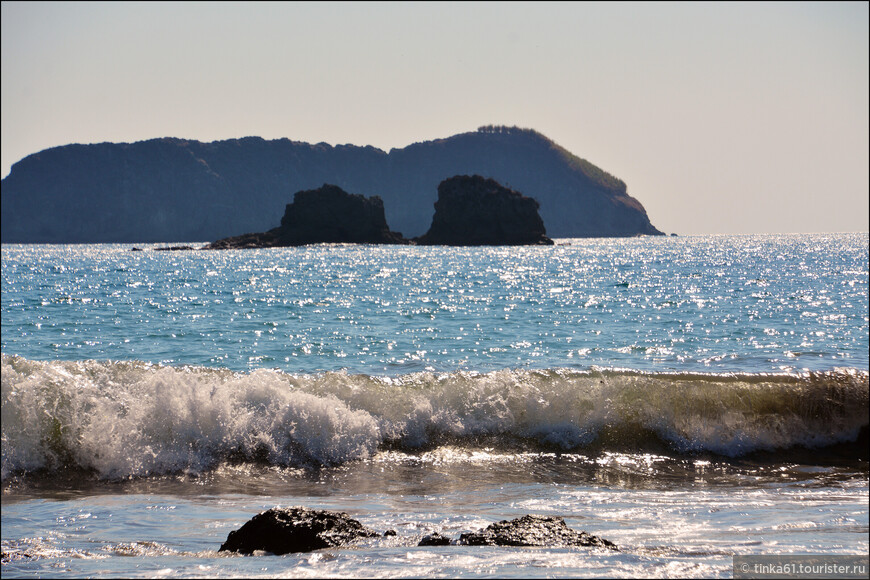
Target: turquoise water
(687, 398)
(701, 304)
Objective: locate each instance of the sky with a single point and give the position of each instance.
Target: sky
(722, 118)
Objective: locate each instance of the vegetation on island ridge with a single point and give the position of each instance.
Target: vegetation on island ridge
(590, 170)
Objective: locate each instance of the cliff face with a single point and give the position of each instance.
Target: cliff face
(178, 190)
(474, 211)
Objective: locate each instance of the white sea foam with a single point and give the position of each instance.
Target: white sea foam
(131, 419)
(124, 419)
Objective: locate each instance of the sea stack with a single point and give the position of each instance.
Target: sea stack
(476, 211)
(324, 215)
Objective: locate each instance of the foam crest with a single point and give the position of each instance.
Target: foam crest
(123, 419)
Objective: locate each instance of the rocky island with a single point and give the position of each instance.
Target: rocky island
(475, 211)
(324, 215)
(186, 190)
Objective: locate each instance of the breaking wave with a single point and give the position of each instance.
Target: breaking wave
(121, 419)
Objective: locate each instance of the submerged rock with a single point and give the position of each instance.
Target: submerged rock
(531, 530)
(296, 529)
(257, 240)
(474, 211)
(166, 249)
(15, 555)
(324, 215)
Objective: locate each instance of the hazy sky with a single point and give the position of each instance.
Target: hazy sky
(721, 118)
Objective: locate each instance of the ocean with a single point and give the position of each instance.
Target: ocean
(690, 399)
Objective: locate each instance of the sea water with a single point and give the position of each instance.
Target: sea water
(689, 399)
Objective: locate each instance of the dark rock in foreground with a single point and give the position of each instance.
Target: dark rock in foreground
(296, 529)
(434, 539)
(14, 555)
(532, 530)
(300, 529)
(475, 211)
(325, 215)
